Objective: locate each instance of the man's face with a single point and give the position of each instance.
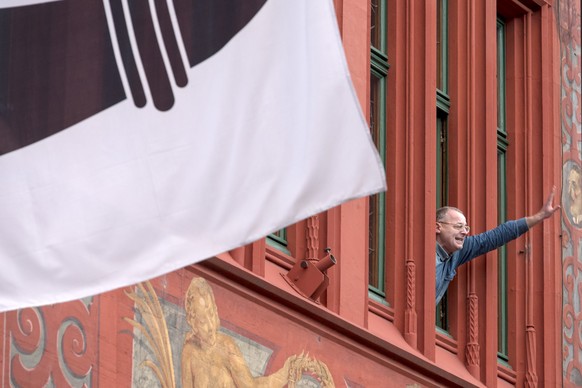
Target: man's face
(451, 238)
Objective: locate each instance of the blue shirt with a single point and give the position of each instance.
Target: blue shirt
(473, 246)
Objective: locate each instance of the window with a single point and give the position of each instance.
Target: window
(502, 145)
(377, 203)
(278, 240)
(443, 105)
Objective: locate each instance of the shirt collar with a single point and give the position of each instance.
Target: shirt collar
(441, 254)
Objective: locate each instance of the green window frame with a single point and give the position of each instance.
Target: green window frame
(377, 203)
(443, 105)
(502, 147)
(278, 240)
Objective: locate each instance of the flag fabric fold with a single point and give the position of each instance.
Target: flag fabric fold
(133, 163)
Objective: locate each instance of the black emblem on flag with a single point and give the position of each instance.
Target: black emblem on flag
(58, 64)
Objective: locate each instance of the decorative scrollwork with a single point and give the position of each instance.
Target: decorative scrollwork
(51, 345)
(73, 340)
(568, 18)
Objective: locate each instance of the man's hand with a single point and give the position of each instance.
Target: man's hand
(545, 212)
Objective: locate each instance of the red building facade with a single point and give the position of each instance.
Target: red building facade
(473, 104)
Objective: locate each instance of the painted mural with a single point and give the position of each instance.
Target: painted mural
(52, 346)
(195, 351)
(185, 329)
(569, 32)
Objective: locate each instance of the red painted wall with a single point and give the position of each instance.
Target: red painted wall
(363, 342)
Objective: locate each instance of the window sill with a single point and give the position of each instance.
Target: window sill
(279, 258)
(381, 310)
(445, 341)
(506, 373)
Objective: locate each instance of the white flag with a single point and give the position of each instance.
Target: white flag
(21, 3)
(135, 141)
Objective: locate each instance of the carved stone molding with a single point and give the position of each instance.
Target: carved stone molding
(410, 325)
(472, 348)
(312, 238)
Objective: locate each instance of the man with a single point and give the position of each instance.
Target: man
(455, 247)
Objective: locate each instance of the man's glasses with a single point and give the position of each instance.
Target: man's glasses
(458, 226)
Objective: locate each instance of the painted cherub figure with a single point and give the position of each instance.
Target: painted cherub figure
(211, 358)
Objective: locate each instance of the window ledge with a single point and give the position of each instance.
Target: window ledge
(506, 373)
(381, 310)
(280, 258)
(446, 342)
